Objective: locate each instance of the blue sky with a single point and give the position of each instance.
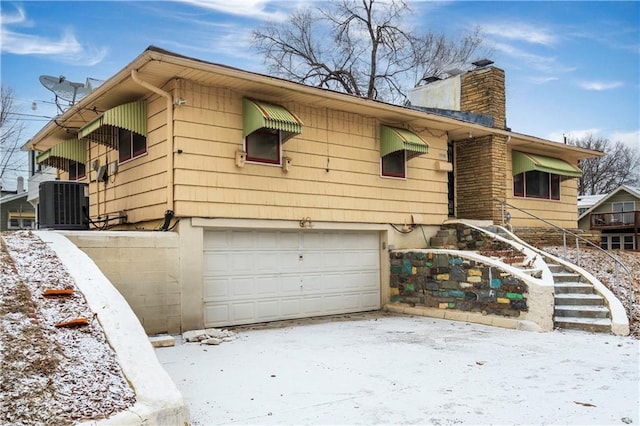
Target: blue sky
(571, 67)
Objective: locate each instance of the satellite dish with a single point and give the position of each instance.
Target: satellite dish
(68, 90)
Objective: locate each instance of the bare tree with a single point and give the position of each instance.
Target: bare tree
(359, 47)
(10, 132)
(618, 166)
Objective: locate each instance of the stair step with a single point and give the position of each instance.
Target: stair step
(570, 287)
(556, 268)
(586, 324)
(581, 311)
(578, 299)
(563, 277)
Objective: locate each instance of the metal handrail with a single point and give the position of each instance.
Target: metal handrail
(617, 262)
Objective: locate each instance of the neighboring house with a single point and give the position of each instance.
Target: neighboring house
(617, 217)
(38, 173)
(585, 202)
(15, 212)
(286, 198)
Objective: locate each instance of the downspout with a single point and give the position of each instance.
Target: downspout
(170, 139)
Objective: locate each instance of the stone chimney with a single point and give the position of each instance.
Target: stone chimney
(482, 91)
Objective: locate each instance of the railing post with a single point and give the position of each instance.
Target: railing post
(564, 243)
(502, 212)
(616, 276)
(577, 251)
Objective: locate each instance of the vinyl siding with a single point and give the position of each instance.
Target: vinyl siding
(207, 182)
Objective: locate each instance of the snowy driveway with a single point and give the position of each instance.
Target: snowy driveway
(383, 368)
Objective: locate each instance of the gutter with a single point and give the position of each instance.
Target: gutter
(170, 139)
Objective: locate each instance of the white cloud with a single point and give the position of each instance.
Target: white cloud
(572, 134)
(16, 18)
(249, 8)
(631, 139)
(546, 64)
(600, 85)
(66, 48)
(542, 79)
(520, 32)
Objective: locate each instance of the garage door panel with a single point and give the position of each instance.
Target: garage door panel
(289, 285)
(291, 308)
(217, 314)
(242, 239)
(267, 286)
(267, 310)
(262, 263)
(370, 300)
(216, 288)
(263, 275)
(286, 240)
(290, 261)
(243, 311)
(216, 263)
(215, 240)
(312, 306)
(322, 283)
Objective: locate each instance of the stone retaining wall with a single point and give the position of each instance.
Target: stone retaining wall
(446, 281)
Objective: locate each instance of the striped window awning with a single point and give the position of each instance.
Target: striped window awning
(58, 155)
(131, 116)
(394, 139)
(525, 162)
(258, 115)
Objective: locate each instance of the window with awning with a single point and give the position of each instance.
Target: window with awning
(105, 128)
(265, 128)
(59, 155)
(525, 162)
(258, 115)
(398, 145)
(537, 176)
(394, 139)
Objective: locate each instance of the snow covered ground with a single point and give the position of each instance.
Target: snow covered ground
(383, 368)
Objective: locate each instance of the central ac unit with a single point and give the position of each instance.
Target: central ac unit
(63, 205)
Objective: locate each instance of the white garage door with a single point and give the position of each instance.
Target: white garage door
(253, 276)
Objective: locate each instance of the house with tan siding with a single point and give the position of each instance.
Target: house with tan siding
(285, 199)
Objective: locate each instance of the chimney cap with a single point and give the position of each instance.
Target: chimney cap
(482, 63)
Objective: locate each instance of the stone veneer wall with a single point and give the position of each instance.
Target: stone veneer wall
(481, 176)
(481, 163)
(483, 91)
(449, 281)
(544, 237)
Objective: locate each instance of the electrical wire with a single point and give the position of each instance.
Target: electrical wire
(413, 227)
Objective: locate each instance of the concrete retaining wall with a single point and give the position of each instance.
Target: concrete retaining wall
(144, 268)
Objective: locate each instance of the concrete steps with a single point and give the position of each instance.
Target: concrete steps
(577, 305)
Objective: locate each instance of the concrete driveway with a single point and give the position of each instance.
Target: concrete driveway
(381, 368)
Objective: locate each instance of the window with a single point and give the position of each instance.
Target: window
(130, 145)
(623, 212)
(17, 222)
(394, 164)
(617, 242)
(77, 170)
(627, 242)
(535, 184)
(263, 146)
